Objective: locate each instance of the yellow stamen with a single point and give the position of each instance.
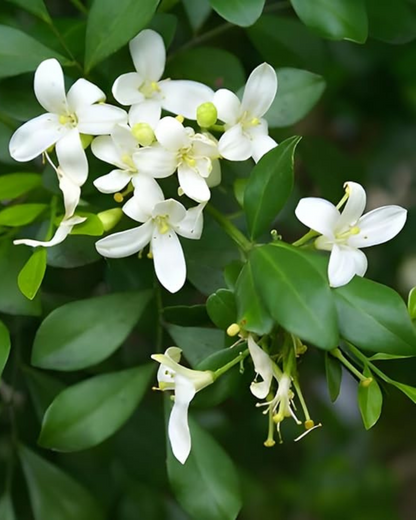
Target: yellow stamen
(118, 197)
(233, 329)
(309, 424)
(255, 121)
(155, 86)
(180, 118)
(150, 255)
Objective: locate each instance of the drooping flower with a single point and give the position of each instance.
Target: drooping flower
(163, 220)
(71, 191)
(179, 148)
(246, 132)
(144, 86)
(185, 383)
(344, 234)
(63, 230)
(82, 111)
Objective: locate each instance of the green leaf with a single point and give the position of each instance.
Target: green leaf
(92, 226)
(14, 56)
(197, 11)
(374, 317)
(53, 493)
(4, 347)
(31, 276)
(83, 333)
(299, 91)
(295, 293)
(21, 214)
(410, 391)
(239, 12)
(221, 308)
(36, 7)
(19, 102)
(89, 412)
(6, 508)
(207, 485)
(333, 371)
(75, 251)
(335, 19)
(43, 389)
(112, 24)
(370, 401)
(187, 316)
(239, 189)
(269, 186)
(387, 357)
(14, 185)
(252, 314)
(391, 22)
(165, 24)
(411, 303)
(232, 272)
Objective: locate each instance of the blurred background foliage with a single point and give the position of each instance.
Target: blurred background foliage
(362, 127)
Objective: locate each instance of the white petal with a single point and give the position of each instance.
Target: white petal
(234, 145)
(318, 214)
(228, 106)
(100, 119)
(124, 140)
(260, 90)
(171, 134)
(35, 137)
(263, 367)
(72, 158)
(156, 161)
(149, 55)
(178, 429)
(50, 87)
(113, 182)
(261, 145)
(84, 93)
(126, 89)
(148, 111)
(71, 193)
(104, 148)
(184, 97)
(168, 259)
(344, 263)
(170, 208)
(125, 243)
(205, 146)
(61, 233)
(193, 185)
(191, 226)
(379, 226)
(354, 207)
(147, 194)
(214, 178)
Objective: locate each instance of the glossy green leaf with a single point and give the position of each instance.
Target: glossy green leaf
(239, 12)
(335, 19)
(92, 226)
(14, 56)
(187, 315)
(232, 272)
(239, 189)
(207, 485)
(222, 309)
(408, 390)
(197, 11)
(89, 412)
(53, 493)
(374, 317)
(370, 401)
(252, 314)
(21, 214)
(31, 276)
(6, 508)
(411, 303)
(14, 185)
(4, 347)
(386, 357)
(298, 93)
(83, 333)
(295, 293)
(165, 24)
(269, 186)
(391, 22)
(333, 371)
(36, 7)
(74, 251)
(112, 24)
(43, 388)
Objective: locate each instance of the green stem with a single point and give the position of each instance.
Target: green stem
(306, 238)
(232, 231)
(301, 399)
(336, 352)
(364, 359)
(220, 371)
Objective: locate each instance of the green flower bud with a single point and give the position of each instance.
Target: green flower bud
(206, 115)
(144, 134)
(110, 218)
(86, 140)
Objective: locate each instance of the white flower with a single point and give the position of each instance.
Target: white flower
(163, 220)
(344, 234)
(81, 111)
(149, 56)
(64, 229)
(263, 367)
(246, 132)
(186, 383)
(179, 148)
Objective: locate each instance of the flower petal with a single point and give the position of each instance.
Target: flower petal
(171, 134)
(125, 243)
(100, 119)
(318, 214)
(125, 142)
(148, 111)
(104, 148)
(170, 208)
(379, 226)
(71, 193)
(261, 145)
(50, 87)
(156, 161)
(126, 89)
(344, 263)
(65, 227)
(354, 207)
(113, 182)
(72, 158)
(148, 52)
(260, 90)
(214, 178)
(234, 145)
(184, 97)
(83, 93)
(262, 366)
(35, 137)
(191, 226)
(193, 185)
(168, 259)
(228, 106)
(178, 428)
(147, 194)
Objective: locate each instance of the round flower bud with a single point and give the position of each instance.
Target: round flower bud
(110, 218)
(144, 134)
(206, 115)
